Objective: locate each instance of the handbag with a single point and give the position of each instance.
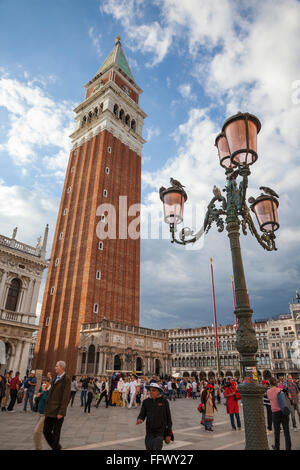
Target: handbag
(201, 408)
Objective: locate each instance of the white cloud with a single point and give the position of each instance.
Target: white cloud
(152, 132)
(35, 123)
(28, 209)
(96, 40)
(186, 91)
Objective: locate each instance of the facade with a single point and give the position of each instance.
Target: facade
(93, 275)
(21, 270)
(194, 350)
(109, 346)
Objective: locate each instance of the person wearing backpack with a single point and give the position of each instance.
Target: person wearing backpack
(278, 416)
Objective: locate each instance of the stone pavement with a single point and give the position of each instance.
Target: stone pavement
(115, 428)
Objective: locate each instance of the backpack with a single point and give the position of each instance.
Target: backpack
(284, 403)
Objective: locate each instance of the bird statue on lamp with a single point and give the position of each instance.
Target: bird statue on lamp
(176, 184)
(161, 191)
(269, 191)
(217, 191)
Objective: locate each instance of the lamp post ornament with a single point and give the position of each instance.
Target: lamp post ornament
(237, 149)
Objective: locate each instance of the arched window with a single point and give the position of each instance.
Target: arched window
(13, 295)
(133, 125)
(83, 121)
(116, 108)
(127, 120)
(91, 359)
(122, 115)
(139, 364)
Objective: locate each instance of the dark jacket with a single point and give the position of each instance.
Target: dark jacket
(58, 397)
(158, 416)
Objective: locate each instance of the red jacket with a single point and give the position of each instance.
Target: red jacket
(15, 383)
(232, 403)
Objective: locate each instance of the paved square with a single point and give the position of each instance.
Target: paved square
(115, 428)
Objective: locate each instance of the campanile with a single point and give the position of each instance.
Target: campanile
(92, 278)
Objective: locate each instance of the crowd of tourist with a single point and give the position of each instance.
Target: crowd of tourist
(130, 390)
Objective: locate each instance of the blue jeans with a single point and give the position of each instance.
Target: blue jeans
(207, 424)
(83, 397)
(238, 421)
(28, 396)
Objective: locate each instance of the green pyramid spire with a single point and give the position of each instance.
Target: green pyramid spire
(118, 58)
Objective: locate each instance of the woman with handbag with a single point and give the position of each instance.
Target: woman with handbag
(232, 396)
(208, 407)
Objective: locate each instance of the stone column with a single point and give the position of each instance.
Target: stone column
(29, 295)
(35, 296)
(2, 289)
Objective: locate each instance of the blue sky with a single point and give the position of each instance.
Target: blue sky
(198, 62)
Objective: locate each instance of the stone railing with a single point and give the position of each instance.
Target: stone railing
(12, 243)
(124, 327)
(17, 317)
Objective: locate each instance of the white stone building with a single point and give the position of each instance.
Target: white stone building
(109, 346)
(21, 270)
(194, 350)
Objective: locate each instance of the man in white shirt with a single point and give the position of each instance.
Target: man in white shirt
(170, 390)
(125, 391)
(132, 389)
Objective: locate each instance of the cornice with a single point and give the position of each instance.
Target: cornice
(24, 256)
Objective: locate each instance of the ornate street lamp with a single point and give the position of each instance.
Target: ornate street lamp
(237, 149)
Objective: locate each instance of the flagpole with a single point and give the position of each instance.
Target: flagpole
(215, 318)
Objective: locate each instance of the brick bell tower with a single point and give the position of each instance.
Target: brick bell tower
(90, 278)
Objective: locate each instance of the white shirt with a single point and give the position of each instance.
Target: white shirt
(170, 385)
(133, 386)
(125, 387)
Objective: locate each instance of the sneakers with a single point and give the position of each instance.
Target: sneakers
(295, 429)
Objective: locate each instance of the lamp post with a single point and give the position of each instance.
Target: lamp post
(237, 149)
(215, 318)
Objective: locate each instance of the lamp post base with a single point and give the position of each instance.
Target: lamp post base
(254, 417)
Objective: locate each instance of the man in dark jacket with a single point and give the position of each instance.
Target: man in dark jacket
(56, 406)
(159, 423)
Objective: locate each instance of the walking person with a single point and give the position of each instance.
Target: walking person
(125, 392)
(208, 407)
(159, 423)
(2, 387)
(56, 406)
(132, 390)
(30, 385)
(5, 397)
(267, 404)
(74, 388)
(38, 430)
(104, 392)
(218, 391)
(194, 389)
(231, 394)
(14, 388)
(293, 392)
(90, 395)
(84, 381)
(278, 417)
